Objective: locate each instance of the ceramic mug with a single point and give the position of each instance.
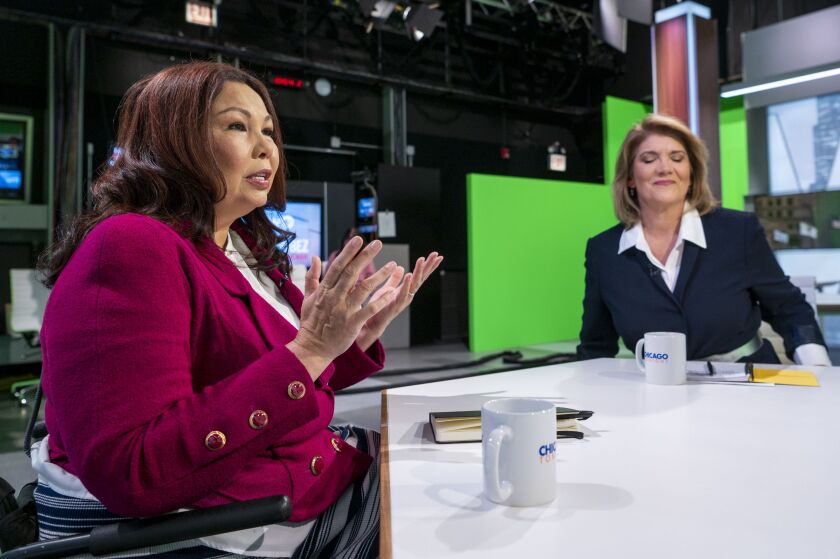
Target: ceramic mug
(661, 357)
(519, 443)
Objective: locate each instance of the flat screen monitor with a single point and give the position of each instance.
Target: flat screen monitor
(366, 217)
(803, 145)
(304, 218)
(365, 207)
(15, 157)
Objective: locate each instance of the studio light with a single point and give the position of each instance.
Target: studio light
(377, 9)
(323, 87)
(609, 24)
(421, 20)
(734, 90)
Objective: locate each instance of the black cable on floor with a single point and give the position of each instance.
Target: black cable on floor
(555, 358)
(461, 365)
(542, 360)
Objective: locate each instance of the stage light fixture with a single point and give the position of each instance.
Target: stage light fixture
(610, 25)
(377, 9)
(421, 20)
(738, 89)
(323, 87)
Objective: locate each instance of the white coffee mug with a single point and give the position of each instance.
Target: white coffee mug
(519, 438)
(661, 356)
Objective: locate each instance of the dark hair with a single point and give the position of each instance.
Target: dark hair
(167, 169)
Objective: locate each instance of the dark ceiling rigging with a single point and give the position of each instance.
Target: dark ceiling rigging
(540, 54)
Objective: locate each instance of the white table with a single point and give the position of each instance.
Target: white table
(686, 471)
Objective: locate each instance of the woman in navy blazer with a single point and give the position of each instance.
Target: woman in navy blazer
(676, 262)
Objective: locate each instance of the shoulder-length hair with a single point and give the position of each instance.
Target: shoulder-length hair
(167, 168)
(699, 196)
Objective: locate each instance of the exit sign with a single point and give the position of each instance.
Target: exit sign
(201, 13)
(557, 162)
(287, 81)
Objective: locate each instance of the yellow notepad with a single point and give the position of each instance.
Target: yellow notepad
(785, 376)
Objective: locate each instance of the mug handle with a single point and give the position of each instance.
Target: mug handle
(497, 490)
(640, 361)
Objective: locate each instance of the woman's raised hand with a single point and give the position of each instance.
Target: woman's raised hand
(399, 296)
(332, 315)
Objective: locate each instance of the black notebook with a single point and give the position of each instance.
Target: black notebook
(465, 426)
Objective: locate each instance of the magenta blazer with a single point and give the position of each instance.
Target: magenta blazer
(169, 385)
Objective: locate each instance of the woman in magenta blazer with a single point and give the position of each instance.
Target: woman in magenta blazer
(181, 368)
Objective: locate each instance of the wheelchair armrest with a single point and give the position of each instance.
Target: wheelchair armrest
(169, 528)
(39, 431)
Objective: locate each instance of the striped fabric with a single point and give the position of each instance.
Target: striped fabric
(349, 529)
(60, 516)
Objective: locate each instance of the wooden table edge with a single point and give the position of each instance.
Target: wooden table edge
(385, 548)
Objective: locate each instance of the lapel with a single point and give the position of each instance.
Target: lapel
(288, 290)
(689, 259)
(223, 269)
(653, 273)
(291, 293)
(274, 329)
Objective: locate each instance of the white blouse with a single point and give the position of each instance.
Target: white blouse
(238, 252)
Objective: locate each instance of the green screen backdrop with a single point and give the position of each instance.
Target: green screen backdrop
(734, 170)
(526, 251)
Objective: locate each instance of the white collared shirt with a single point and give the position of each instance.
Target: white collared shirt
(691, 230)
(237, 251)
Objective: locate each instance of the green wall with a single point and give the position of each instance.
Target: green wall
(734, 170)
(526, 241)
(618, 116)
(527, 237)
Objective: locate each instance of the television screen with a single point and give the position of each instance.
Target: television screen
(803, 142)
(366, 208)
(303, 218)
(14, 157)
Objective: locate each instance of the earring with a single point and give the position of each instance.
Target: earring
(632, 192)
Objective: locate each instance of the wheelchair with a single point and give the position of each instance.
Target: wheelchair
(18, 517)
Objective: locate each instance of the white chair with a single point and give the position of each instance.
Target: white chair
(28, 301)
(24, 316)
(808, 286)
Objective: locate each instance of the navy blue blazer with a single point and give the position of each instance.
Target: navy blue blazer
(722, 294)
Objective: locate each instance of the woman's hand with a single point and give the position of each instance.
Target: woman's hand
(332, 314)
(398, 296)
